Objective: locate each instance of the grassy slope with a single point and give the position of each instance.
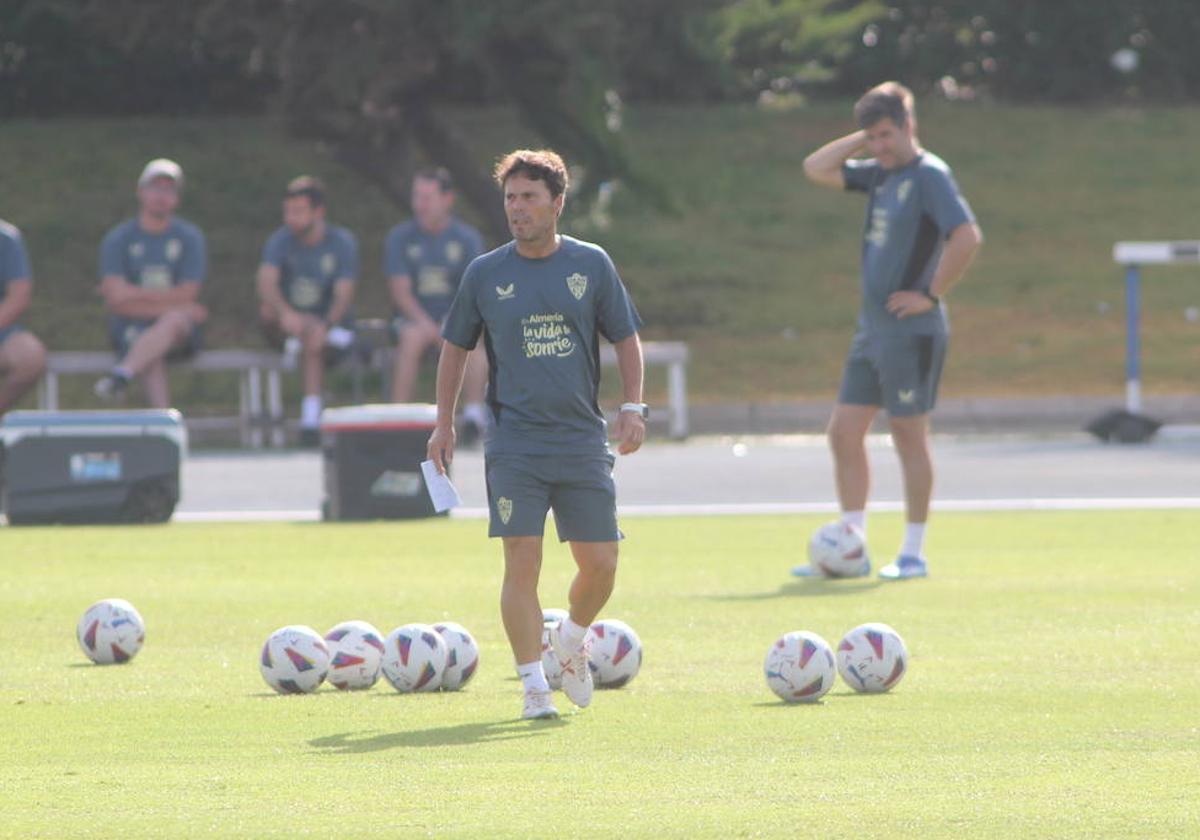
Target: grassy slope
(1052, 692)
(757, 270)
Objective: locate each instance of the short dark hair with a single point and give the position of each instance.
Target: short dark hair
(890, 100)
(536, 165)
(308, 187)
(440, 174)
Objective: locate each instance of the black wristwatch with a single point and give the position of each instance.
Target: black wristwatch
(637, 408)
(936, 300)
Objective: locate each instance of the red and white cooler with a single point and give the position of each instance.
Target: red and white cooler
(372, 456)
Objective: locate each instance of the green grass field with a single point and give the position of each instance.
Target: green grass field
(1054, 688)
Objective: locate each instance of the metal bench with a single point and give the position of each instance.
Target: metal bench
(253, 367)
(674, 356)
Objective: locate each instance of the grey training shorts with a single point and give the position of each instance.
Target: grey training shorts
(578, 488)
(899, 372)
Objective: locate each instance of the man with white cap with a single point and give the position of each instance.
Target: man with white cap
(151, 270)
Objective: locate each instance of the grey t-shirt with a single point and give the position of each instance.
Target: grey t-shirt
(543, 320)
(153, 260)
(14, 261)
(308, 273)
(434, 262)
(910, 212)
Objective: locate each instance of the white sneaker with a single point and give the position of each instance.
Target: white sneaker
(576, 675)
(539, 706)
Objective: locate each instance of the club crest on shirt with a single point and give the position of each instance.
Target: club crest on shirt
(504, 507)
(577, 283)
(174, 249)
(328, 264)
(414, 252)
(903, 190)
(454, 251)
(506, 292)
(137, 250)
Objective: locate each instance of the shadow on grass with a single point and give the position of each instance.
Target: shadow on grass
(804, 588)
(440, 736)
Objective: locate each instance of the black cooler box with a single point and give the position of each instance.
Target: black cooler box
(90, 466)
(373, 456)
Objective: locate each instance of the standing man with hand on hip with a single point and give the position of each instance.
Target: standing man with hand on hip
(919, 238)
(151, 271)
(543, 301)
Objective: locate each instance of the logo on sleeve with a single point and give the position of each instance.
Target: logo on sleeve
(577, 283)
(506, 292)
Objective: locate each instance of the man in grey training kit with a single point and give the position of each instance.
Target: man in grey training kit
(543, 301)
(919, 238)
(22, 356)
(151, 270)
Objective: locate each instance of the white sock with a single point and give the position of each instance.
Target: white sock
(475, 413)
(857, 518)
(914, 540)
(310, 411)
(533, 676)
(571, 633)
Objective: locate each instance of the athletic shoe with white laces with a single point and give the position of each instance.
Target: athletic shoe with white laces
(808, 570)
(111, 387)
(539, 706)
(905, 567)
(576, 675)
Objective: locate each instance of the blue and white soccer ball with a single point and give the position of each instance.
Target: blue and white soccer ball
(837, 549)
(355, 655)
(295, 660)
(462, 655)
(799, 667)
(616, 655)
(551, 618)
(111, 631)
(872, 658)
(414, 658)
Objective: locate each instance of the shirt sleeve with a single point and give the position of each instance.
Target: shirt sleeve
(859, 174)
(464, 322)
(112, 255)
(194, 263)
(15, 262)
(942, 201)
(273, 251)
(349, 258)
(395, 254)
(616, 316)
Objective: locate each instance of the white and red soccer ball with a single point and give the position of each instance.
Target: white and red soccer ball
(356, 655)
(462, 655)
(872, 658)
(799, 667)
(838, 549)
(616, 654)
(414, 658)
(111, 632)
(295, 660)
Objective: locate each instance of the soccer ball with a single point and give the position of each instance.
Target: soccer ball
(616, 653)
(356, 653)
(414, 658)
(462, 655)
(799, 667)
(295, 660)
(550, 619)
(872, 658)
(837, 549)
(111, 631)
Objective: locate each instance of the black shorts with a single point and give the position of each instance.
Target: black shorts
(122, 334)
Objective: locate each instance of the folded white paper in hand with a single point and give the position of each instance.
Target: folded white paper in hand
(339, 337)
(441, 491)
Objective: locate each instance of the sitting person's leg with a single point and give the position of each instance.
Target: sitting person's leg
(22, 362)
(412, 341)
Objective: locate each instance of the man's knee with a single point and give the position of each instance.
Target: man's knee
(24, 356)
(910, 434)
(598, 559)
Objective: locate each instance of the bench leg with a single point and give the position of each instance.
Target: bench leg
(255, 405)
(677, 400)
(275, 409)
(245, 415)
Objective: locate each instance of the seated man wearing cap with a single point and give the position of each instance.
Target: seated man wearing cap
(305, 288)
(22, 356)
(151, 269)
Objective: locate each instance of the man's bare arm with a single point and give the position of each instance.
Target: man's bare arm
(824, 166)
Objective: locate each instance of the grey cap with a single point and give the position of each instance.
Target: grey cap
(161, 168)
